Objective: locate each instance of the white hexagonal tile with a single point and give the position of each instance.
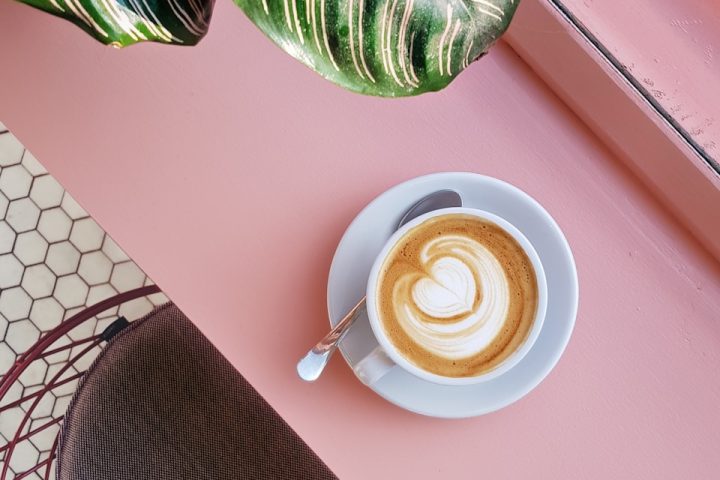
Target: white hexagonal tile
(57, 360)
(46, 192)
(3, 328)
(38, 281)
(83, 363)
(135, 309)
(14, 393)
(30, 248)
(11, 150)
(95, 268)
(32, 165)
(15, 182)
(3, 205)
(14, 305)
(61, 404)
(102, 324)
(101, 292)
(25, 456)
(7, 357)
(87, 235)
(110, 313)
(43, 455)
(7, 237)
(22, 335)
(61, 390)
(54, 225)
(37, 421)
(11, 420)
(63, 258)
(44, 439)
(71, 291)
(28, 391)
(84, 330)
(52, 474)
(113, 251)
(70, 312)
(72, 208)
(158, 298)
(34, 374)
(126, 276)
(11, 271)
(53, 369)
(22, 215)
(46, 313)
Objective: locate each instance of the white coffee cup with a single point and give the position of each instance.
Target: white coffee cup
(385, 357)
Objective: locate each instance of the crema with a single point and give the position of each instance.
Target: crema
(457, 295)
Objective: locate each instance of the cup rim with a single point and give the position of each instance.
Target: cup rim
(510, 361)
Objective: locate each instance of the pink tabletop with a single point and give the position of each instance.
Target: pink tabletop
(229, 172)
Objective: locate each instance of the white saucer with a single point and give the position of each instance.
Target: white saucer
(366, 236)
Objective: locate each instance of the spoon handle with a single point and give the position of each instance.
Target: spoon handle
(311, 365)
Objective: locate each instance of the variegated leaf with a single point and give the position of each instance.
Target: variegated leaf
(125, 22)
(384, 47)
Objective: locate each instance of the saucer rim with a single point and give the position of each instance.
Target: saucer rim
(572, 292)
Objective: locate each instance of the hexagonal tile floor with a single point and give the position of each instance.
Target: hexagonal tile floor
(54, 260)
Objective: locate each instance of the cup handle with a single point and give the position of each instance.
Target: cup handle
(374, 366)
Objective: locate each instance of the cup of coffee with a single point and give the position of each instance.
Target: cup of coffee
(457, 296)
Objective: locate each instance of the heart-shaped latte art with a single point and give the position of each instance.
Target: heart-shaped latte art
(441, 311)
(457, 295)
(449, 291)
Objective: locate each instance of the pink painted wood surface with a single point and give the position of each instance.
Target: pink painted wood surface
(229, 172)
(673, 48)
(621, 116)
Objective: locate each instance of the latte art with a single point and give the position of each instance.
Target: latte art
(457, 295)
(450, 290)
(459, 308)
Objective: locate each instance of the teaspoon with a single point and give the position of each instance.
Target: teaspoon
(311, 365)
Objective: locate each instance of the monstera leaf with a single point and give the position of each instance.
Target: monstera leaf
(384, 47)
(124, 22)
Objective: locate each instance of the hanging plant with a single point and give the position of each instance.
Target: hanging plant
(388, 48)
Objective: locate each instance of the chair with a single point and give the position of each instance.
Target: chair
(159, 402)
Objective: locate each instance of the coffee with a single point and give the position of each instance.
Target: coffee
(457, 295)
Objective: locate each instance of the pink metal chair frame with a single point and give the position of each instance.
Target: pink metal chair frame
(41, 349)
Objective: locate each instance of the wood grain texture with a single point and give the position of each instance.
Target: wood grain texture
(235, 183)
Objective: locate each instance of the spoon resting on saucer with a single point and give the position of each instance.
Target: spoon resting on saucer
(312, 365)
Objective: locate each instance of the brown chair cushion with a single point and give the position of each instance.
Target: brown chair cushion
(161, 402)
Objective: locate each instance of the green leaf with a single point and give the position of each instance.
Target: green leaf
(384, 47)
(125, 22)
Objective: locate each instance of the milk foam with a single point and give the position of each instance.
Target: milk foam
(460, 306)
